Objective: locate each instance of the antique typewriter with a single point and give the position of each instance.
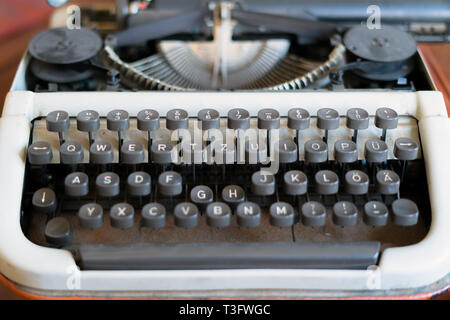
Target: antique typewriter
(228, 149)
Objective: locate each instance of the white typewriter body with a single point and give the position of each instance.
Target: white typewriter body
(49, 271)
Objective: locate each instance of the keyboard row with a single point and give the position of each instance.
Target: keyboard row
(247, 214)
(164, 152)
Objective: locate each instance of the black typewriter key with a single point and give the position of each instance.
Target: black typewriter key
(107, 184)
(345, 151)
(286, 151)
(58, 121)
(44, 200)
(255, 152)
(57, 231)
(327, 119)
(148, 120)
(40, 153)
(139, 184)
(218, 215)
(327, 182)
(91, 215)
(154, 215)
(101, 152)
(177, 119)
(224, 153)
(170, 183)
(132, 152)
(238, 119)
(386, 118)
(375, 151)
(357, 119)
(248, 214)
(161, 152)
(186, 215)
(375, 214)
(268, 119)
(71, 152)
(298, 119)
(202, 196)
(118, 120)
(76, 184)
(316, 151)
(233, 195)
(356, 182)
(122, 215)
(209, 119)
(345, 214)
(295, 183)
(406, 149)
(405, 212)
(88, 121)
(387, 182)
(314, 214)
(263, 183)
(281, 214)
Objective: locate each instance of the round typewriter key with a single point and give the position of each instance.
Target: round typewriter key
(281, 214)
(209, 119)
(132, 152)
(101, 152)
(356, 182)
(76, 184)
(71, 153)
(387, 182)
(40, 153)
(139, 184)
(316, 151)
(406, 149)
(375, 213)
(238, 119)
(154, 215)
(298, 119)
(170, 183)
(44, 200)
(57, 121)
(375, 151)
(177, 119)
(88, 121)
(386, 118)
(91, 215)
(345, 151)
(122, 215)
(161, 152)
(148, 120)
(233, 195)
(107, 184)
(295, 183)
(405, 212)
(186, 215)
(248, 214)
(314, 214)
(263, 183)
(255, 152)
(268, 119)
(58, 231)
(218, 215)
(118, 120)
(287, 151)
(327, 119)
(345, 214)
(357, 119)
(202, 196)
(327, 182)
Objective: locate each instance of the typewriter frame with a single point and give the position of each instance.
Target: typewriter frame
(47, 271)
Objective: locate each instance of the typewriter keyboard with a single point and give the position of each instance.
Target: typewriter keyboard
(104, 186)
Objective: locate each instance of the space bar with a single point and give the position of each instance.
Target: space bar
(261, 255)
